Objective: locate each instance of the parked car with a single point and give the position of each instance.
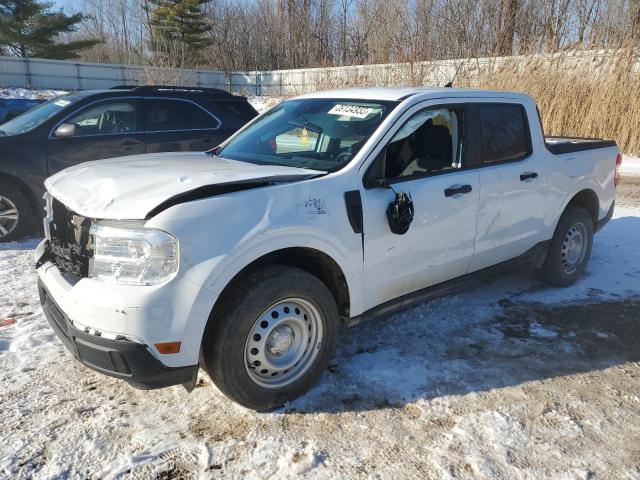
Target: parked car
(10, 108)
(331, 207)
(92, 125)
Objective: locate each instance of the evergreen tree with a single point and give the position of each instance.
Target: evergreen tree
(29, 28)
(178, 28)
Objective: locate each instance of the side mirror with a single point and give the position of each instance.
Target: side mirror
(375, 176)
(65, 130)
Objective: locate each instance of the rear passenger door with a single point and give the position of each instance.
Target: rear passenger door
(512, 185)
(175, 125)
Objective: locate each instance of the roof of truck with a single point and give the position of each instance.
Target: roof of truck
(400, 93)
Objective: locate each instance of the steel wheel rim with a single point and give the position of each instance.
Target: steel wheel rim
(574, 247)
(9, 216)
(283, 343)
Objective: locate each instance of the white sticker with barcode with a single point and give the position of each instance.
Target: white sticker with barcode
(356, 111)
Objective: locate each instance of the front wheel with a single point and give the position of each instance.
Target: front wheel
(570, 248)
(272, 337)
(15, 213)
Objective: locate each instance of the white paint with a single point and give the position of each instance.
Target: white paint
(221, 235)
(130, 187)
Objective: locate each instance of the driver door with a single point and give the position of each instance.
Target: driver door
(105, 129)
(428, 158)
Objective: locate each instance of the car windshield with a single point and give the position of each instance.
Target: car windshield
(37, 115)
(319, 134)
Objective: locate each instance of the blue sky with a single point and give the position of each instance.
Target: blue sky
(67, 5)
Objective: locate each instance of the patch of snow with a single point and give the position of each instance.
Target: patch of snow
(262, 104)
(630, 165)
(29, 93)
(444, 388)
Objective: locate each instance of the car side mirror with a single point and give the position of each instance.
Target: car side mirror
(65, 130)
(375, 176)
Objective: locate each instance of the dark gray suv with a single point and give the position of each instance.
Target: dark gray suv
(92, 125)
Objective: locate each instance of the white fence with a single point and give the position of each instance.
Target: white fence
(69, 75)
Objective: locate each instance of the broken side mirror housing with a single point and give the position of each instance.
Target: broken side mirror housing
(65, 130)
(375, 176)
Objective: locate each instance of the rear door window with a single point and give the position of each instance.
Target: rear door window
(172, 115)
(505, 136)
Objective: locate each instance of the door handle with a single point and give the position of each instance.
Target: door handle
(528, 176)
(457, 190)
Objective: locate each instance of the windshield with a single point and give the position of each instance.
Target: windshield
(36, 116)
(320, 134)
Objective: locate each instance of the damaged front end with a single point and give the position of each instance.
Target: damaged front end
(67, 239)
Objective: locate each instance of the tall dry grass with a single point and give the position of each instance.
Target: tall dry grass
(586, 98)
(579, 93)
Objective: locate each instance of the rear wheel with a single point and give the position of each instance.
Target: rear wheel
(570, 248)
(15, 213)
(273, 338)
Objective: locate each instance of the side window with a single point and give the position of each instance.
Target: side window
(297, 140)
(106, 118)
(232, 114)
(164, 115)
(430, 142)
(504, 133)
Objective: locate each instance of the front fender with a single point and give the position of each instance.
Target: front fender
(222, 235)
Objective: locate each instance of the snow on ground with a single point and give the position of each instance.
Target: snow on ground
(262, 104)
(28, 93)
(510, 380)
(630, 165)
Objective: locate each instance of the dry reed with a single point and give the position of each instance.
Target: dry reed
(584, 94)
(589, 99)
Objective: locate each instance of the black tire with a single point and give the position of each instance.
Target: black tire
(228, 333)
(11, 197)
(555, 271)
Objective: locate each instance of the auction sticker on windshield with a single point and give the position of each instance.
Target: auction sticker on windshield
(356, 111)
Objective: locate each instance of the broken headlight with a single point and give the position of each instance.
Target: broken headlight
(130, 254)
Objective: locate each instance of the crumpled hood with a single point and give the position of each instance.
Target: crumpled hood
(130, 187)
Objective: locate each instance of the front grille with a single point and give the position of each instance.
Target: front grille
(70, 242)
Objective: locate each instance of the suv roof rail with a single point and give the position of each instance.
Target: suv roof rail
(160, 88)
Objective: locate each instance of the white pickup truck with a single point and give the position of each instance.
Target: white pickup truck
(330, 208)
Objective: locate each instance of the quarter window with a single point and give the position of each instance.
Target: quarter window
(430, 142)
(504, 133)
(106, 118)
(165, 115)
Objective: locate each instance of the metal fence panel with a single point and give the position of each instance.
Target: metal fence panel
(69, 75)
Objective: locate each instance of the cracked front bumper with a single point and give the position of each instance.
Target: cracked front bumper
(119, 358)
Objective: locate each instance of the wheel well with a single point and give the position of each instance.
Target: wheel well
(310, 260)
(26, 191)
(587, 199)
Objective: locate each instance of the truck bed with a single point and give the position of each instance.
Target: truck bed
(560, 145)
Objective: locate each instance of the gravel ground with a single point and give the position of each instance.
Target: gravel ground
(508, 380)
(628, 192)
